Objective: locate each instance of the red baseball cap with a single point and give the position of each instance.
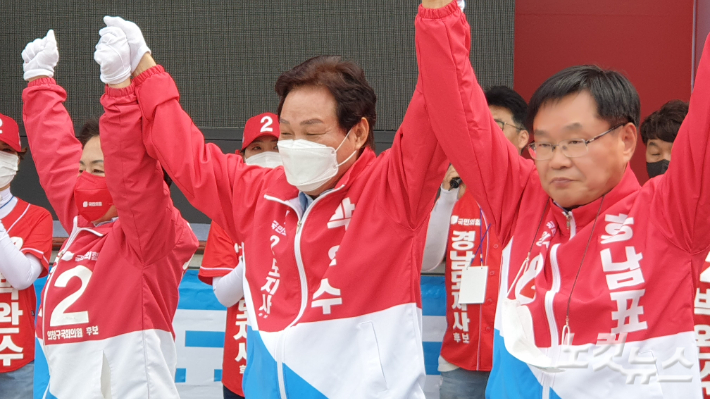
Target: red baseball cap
(10, 133)
(266, 124)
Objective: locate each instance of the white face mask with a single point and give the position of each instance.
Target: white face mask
(8, 168)
(309, 165)
(266, 159)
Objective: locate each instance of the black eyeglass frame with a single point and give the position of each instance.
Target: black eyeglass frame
(531, 146)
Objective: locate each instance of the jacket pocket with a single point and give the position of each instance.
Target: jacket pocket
(373, 377)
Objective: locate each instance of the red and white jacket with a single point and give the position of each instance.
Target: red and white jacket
(639, 277)
(702, 325)
(109, 301)
(30, 228)
(220, 258)
(332, 291)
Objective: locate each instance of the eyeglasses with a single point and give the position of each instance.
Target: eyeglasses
(502, 124)
(571, 148)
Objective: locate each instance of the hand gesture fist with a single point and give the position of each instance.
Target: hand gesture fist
(113, 55)
(134, 36)
(40, 57)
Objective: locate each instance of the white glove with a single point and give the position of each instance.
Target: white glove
(40, 56)
(134, 36)
(462, 4)
(113, 55)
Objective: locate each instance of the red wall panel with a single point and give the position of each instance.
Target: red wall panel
(650, 41)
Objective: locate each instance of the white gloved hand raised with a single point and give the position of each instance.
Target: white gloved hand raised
(134, 36)
(113, 55)
(40, 57)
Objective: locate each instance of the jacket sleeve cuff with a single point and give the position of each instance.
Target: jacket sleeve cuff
(438, 13)
(145, 75)
(42, 82)
(122, 92)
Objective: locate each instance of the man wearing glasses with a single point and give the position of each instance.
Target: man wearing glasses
(599, 274)
(459, 231)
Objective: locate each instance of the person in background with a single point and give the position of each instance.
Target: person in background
(460, 232)
(222, 264)
(658, 132)
(105, 322)
(25, 248)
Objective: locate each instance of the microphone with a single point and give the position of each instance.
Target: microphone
(455, 182)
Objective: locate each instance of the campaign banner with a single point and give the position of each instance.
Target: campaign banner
(200, 324)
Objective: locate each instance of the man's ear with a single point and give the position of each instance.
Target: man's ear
(628, 136)
(523, 139)
(360, 132)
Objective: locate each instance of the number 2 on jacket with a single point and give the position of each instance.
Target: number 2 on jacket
(60, 317)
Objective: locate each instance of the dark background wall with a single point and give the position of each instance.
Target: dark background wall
(226, 55)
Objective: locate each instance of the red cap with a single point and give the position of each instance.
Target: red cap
(10, 133)
(266, 124)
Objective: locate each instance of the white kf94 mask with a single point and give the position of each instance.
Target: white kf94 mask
(266, 159)
(8, 168)
(309, 165)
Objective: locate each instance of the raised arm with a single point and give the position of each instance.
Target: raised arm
(55, 150)
(460, 118)
(135, 180)
(684, 191)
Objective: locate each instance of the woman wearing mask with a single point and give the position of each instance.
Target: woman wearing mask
(25, 248)
(221, 266)
(107, 308)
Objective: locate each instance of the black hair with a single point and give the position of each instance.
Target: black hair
(354, 97)
(505, 97)
(88, 131)
(664, 123)
(617, 99)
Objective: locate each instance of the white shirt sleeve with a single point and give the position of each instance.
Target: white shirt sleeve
(438, 230)
(19, 269)
(230, 288)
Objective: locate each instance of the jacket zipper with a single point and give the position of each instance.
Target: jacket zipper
(304, 283)
(551, 321)
(571, 224)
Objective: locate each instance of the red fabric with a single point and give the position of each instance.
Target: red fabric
(401, 184)
(10, 133)
(129, 270)
(221, 256)
(702, 325)
(468, 342)
(266, 124)
(30, 228)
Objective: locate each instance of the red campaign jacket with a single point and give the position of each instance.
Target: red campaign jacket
(639, 275)
(30, 228)
(702, 325)
(107, 308)
(220, 258)
(468, 341)
(332, 292)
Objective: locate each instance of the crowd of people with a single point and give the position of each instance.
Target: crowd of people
(565, 278)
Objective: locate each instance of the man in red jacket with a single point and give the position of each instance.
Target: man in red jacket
(105, 321)
(459, 231)
(333, 241)
(585, 306)
(221, 266)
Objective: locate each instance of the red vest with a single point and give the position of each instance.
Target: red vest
(221, 256)
(30, 228)
(468, 342)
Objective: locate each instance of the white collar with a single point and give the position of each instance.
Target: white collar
(7, 202)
